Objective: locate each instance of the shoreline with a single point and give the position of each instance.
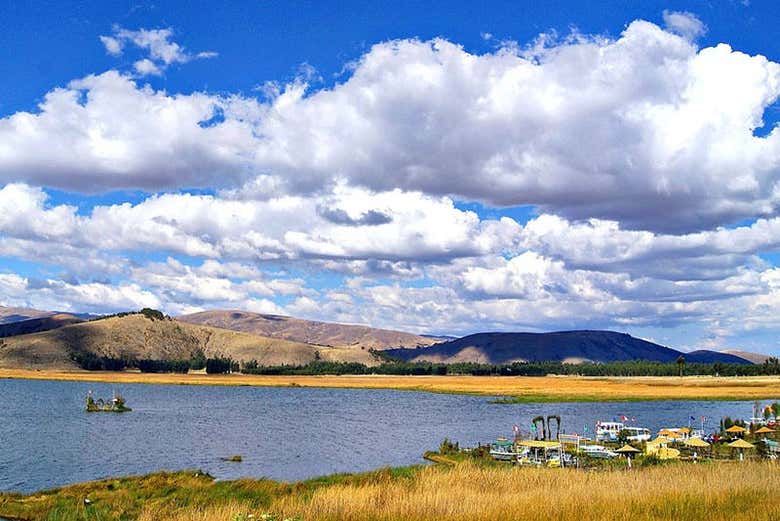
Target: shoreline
(512, 389)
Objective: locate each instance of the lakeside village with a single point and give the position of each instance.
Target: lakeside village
(621, 443)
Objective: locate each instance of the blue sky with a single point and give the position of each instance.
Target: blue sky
(443, 168)
(55, 42)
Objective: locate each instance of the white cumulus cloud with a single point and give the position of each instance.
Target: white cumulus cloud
(684, 23)
(581, 127)
(162, 50)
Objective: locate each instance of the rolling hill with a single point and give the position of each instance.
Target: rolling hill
(137, 337)
(9, 315)
(309, 331)
(756, 358)
(563, 346)
(36, 325)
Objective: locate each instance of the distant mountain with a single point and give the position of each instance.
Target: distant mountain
(755, 358)
(9, 315)
(563, 346)
(137, 337)
(309, 331)
(705, 356)
(36, 325)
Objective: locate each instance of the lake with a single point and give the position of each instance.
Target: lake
(47, 440)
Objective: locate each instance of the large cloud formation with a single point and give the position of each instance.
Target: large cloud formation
(639, 153)
(646, 129)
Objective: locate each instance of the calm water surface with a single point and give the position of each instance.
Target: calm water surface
(47, 440)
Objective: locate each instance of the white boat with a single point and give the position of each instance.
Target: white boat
(503, 450)
(598, 451)
(637, 434)
(610, 431)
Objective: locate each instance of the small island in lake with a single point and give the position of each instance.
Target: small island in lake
(116, 404)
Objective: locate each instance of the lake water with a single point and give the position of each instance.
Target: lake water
(46, 438)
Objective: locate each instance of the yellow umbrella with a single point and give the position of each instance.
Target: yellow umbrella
(695, 441)
(764, 430)
(741, 444)
(736, 429)
(627, 449)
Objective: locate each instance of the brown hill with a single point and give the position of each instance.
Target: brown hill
(9, 315)
(309, 331)
(137, 337)
(36, 325)
(756, 358)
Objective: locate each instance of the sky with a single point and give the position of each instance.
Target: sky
(440, 168)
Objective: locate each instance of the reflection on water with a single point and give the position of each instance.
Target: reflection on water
(47, 440)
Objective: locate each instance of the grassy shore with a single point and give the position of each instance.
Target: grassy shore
(516, 389)
(466, 490)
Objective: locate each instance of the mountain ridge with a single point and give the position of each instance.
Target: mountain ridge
(310, 331)
(135, 336)
(755, 358)
(575, 346)
(38, 324)
(9, 315)
(52, 338)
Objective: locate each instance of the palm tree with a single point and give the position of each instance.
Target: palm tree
(680, 364)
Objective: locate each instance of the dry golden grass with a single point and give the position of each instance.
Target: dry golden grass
(478, 493)
(230, 511)
(466, 490)
(550, 388)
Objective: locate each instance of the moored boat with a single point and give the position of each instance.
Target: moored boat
(115, 404)
(611, 432)
(503, 450)
(598, 451)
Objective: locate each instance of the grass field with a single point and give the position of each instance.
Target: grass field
(467, 490)
(524, 389)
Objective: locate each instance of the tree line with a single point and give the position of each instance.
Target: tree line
(151, 314)
(632, 368)
(93, 362)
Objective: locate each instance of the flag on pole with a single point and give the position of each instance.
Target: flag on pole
(515, 429)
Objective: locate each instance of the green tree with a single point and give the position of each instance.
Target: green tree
(198, 360)
(680, 365)
(220, 365)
